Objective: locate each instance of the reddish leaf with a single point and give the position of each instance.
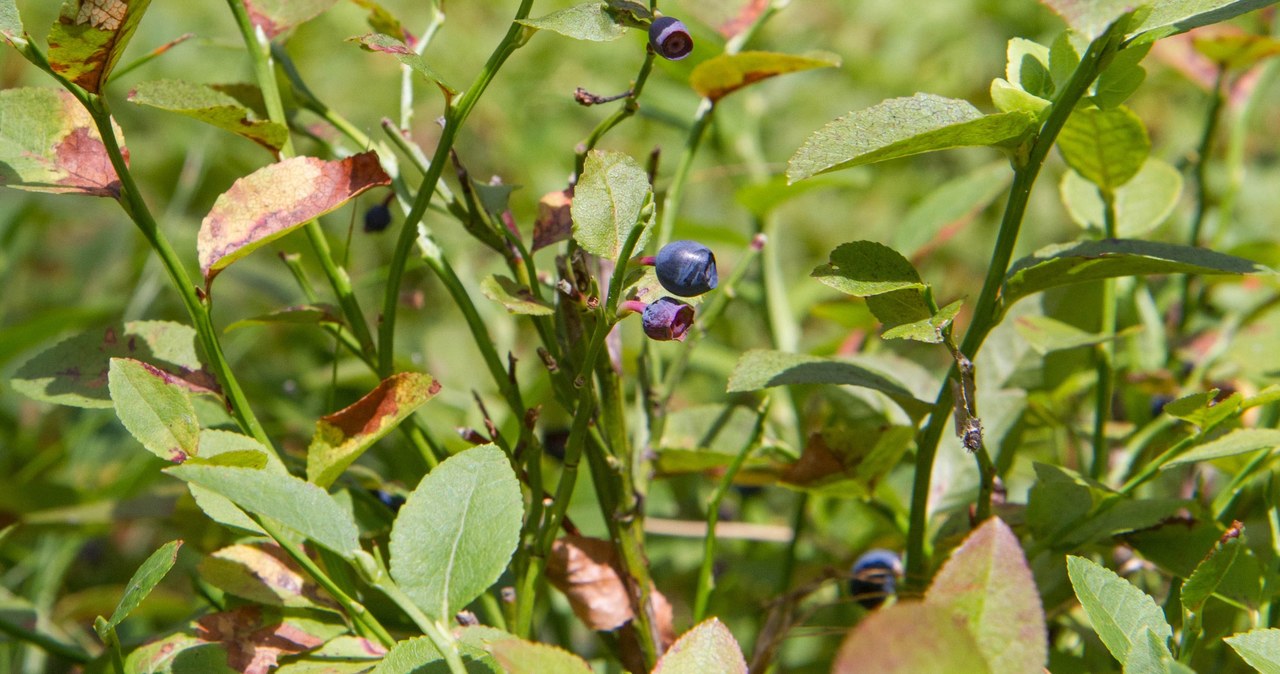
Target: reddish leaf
(910, 638)
(252, 647)
(276, 16)
(554, 223)
(343, 436)
(746, 16)
(89, 36)
(708, 647)
(274, 200)
(48, 143)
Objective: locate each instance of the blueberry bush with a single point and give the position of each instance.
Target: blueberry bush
(983, 380)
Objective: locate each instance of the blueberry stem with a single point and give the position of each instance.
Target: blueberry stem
(620, 115)
(631, 306)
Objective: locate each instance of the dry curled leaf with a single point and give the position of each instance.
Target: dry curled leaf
(554, 223)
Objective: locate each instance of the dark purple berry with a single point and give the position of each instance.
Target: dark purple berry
(392, 501)
(377, 218)
(669, 38)
(686, 268)
(666, 319)
(875, 577)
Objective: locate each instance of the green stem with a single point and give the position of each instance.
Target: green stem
(1200, 173)
(1104, 353)
(454, 119)
(45, 642)
(987, 311)
(434, 631)
(629, 108)
(675, 191)
(705, 580)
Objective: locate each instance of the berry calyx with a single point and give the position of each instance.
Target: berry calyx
(669, 38)
(875, 577)
(667, 319)
(686, 268)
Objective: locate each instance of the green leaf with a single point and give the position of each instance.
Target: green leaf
(11, 25)
(928, 330)
(849, 462)
(277, 16)
(902, 127)
(1089, 18)
(722, 75)
(1121, 613)
(276, 199)
(1237, 51)
(303, 314)
(341, 437)
(160, 415)
(412, 656)
(49, 143)
(378, 42)
(1027, 67)
(911, 638)
(1008, 97)
(708, 647)
(210, 106)
(759, 369)
(588, 21)
(518, 656)
(518, 299)
(1072, 263)
(1122, 76)
(74, 371)
(1209, 574)
(152, 571)
(455, 534)
(1106, 147)
(704, 437)
(1239, 441)
(1178, 16)
(1149, 655)
(1204, 409)
(89, 36)
(1045, 334)
(988, 585)
(299, 505)
(609, 200)
(381, 20)
(948, 207)
(1141, 204)
(1260, 648)
(1063, 59)
(262, 573)
(868, 269)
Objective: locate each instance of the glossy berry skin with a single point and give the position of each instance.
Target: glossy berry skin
(377, 218)
(669, 38)
(875, 577)
(686, 268)
(666, 319)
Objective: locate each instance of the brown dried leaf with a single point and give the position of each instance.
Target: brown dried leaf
(49, 143)
(584, 569)
(554, 223)
(274, 200)
(89, 36)
(253, 648)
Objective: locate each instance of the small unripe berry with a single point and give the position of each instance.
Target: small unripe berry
(669, 38)
(377, 218)
(875, 577)
(666, 319)
(686, 268)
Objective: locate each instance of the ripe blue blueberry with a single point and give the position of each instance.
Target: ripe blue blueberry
(669, 38)
(377, 218)
(686, 268)
(875, 577)
(392, 501)
(666, 319)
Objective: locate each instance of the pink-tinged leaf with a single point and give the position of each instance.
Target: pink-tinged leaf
(276, 199)
(383, 21)
(554, 223)
(90, 35)
(911, 638)
(254, 641)
(343, 436)
(748, 14)
(987, 584)
(263, 574)
(48, 143)
(518, 656)
(722, 75)
(378, 42)
(74, 372)
(708, 647)
(277, 16)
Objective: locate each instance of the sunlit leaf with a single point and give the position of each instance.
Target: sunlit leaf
(760, 369)
(608, 201)
(160, 415)
(341, 437)
(518, 656)
(48, 143)
(894, 291)
(1169, 16)
(304, 314)
(456, 533)
(722, 75)
(518, 299)
(1120, 612)
(89, 36)
(988, 583)
(708, 647)
(588, 21)
(263, 574)
(144, 580)
(383, 21)
(901, 127)
(277, 16)
(1239, 441)
(1106, 147)
(1260, 648)
(210, 106)
(928, 330)
(1204, 409)
(1211, 571)
(1141, 204)
(910, 638)
(275, 200)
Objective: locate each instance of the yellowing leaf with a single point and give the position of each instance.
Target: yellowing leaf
(276, 199)
(48, 143)
(343, 436)
(89, 36)
(722, 75)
